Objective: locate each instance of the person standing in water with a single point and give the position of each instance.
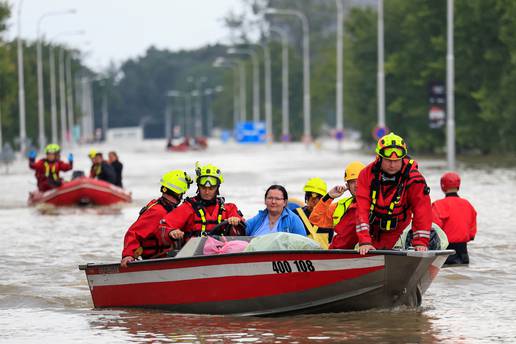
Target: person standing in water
(457, 217)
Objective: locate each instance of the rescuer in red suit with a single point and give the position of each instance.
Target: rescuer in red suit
(392, 193)
(47, 169)
(457, 217)
(199, 214)
(145, 237)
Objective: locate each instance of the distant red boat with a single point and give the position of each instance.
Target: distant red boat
(81, 191)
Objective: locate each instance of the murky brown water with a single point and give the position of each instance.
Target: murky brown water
(45, 298)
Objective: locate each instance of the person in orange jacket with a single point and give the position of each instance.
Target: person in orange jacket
(340, 215)
(392, 193)
(457, 217)
(200, 214)
(145, 237)
(47, 169)
(315, 188)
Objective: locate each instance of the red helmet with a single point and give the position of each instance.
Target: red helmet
(450, 180)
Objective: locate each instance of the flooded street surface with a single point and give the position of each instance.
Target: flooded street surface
(45, 298)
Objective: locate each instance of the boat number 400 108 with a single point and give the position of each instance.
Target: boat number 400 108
(282, 267)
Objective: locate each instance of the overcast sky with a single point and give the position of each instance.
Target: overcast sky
(115, 30)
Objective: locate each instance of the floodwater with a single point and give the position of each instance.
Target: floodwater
(45, 298)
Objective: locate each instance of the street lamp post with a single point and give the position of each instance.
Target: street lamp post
(285, 132)
(340, 70)
(169, 114)
(209, 93)
(256, 79)
(306, 66)
(53, 87)
(268, 92)
(243, 91)
(220, 63)
(62, 95)
(41, 105)
(53, 105)
(381, 73)
(21, 84)
(450, 103)
(69, 94)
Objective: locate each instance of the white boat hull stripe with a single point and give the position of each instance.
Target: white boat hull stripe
(225, 270)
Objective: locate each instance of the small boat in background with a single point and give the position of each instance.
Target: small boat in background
(266, 282)
(81, 191)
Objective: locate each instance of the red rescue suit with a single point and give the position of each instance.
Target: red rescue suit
(457, 217)
(193, 217)
(145, 237)
(387, 204)
(345, 231)
(47, 172)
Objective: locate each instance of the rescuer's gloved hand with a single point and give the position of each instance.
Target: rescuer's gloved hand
(32, 154)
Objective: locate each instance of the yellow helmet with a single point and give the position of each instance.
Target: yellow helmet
(208, 175)
(353, 170)
(92, 153)
(391, 147)
(176, 181)
(52, 148)
(316, 185)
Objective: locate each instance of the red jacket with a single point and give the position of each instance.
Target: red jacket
(188, 220)
(47, 172)
(146, 232)
(413, 205)
(345, 233)
(457, 217)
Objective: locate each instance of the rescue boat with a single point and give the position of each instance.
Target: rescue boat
(81, 191)
(267, 282)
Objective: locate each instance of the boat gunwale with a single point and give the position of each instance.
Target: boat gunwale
(407, 253)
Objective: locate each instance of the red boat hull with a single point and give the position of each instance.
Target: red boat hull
(266, 283)
(82, 191)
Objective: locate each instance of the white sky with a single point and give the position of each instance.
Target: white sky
(115, 30)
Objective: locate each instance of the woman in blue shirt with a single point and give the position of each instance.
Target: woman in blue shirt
(276, 217)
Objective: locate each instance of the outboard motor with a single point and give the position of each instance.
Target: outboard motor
(77, 174)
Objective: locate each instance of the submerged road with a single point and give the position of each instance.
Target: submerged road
(45, 298)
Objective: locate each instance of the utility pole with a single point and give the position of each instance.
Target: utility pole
(450, 84)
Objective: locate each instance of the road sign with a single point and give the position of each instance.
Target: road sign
(250, 132)
(437, 117)
(339, 135)
(379, 132)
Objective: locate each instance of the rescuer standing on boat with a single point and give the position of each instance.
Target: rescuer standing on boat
(145, 237)
(199, 214)
(102, 170)
(340, 215)
(457, 217)
(315, 189)
(47, 169)
(392, 193)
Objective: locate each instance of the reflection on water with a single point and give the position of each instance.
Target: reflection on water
(45, 298)
(414, 326)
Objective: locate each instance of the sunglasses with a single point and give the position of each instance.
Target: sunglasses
(309, 195)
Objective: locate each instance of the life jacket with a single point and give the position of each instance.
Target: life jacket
(322, 236)
(386, 217)
(51, 170)
(96, 169)
(151, 247)
(340, 209)
(202, 219)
